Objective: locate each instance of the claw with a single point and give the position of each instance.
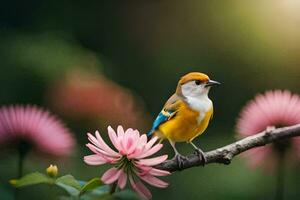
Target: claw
(180, 160)
(201, 156)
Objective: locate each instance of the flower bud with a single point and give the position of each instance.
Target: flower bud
(52, 170)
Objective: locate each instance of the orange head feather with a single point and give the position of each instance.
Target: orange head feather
(192, 76)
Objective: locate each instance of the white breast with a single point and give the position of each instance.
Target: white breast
(202, 104)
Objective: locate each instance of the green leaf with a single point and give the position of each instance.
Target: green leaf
(31, 179)
(92, 184)
(69, 184)
(82, 183)
(69, 180)
(101, 192)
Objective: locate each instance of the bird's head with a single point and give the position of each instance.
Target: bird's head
(195, 84)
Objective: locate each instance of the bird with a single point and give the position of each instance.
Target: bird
(186, 114)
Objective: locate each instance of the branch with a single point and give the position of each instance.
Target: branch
(225, 154)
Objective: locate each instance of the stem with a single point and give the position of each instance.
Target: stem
(113, 188)
(280, 176)
(23, 149)
(20, 164)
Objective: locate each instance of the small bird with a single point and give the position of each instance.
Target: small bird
(186, 114)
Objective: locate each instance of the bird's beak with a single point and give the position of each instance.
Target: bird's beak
(212, 83)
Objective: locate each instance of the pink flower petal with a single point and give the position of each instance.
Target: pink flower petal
(152, 171)
(151, 142)
(94, 160)
(137, 152)
(140, 188)
(100, 144)
(130, 143)
(111, 175)
(122, 180)
(153, 161)
(127, 141)
(136, 134)
(97, 150)
(154, 181)
(113, 138)
(104, 146)
(140, 147)
(151, 151)
(159, 172)
(135, 137)
(120, 131)
(143, 146)
(143, 139)
(92, 139)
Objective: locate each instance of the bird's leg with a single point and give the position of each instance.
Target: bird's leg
(200, 153)
(178, 157)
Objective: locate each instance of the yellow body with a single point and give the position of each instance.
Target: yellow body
(184, 126)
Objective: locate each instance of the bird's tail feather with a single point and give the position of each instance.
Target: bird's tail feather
(150, 133)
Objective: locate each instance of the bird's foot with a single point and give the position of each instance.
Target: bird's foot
(180, 160)
(201, 156)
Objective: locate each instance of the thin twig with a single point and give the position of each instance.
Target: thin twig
(225, 154)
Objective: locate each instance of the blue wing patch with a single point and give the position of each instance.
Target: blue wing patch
(162, 117)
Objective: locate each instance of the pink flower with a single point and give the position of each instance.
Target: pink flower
(87, 94)
(130, 160)
(274, 108)
(36, 127)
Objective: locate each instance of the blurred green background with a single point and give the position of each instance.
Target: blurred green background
(137, 50)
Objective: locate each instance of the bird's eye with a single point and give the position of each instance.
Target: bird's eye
(197, 82)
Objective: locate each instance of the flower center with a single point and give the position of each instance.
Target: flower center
(127, 165)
